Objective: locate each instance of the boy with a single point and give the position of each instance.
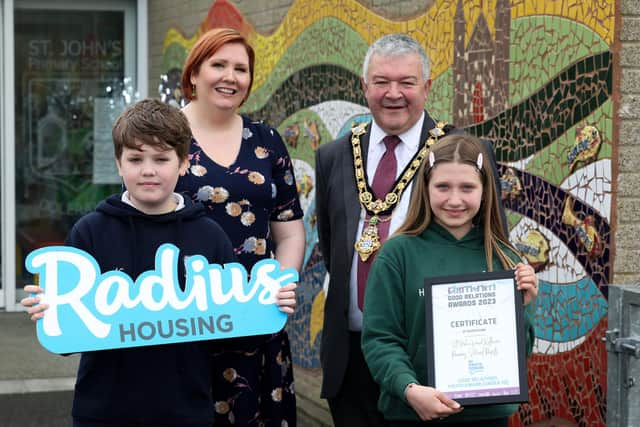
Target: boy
(165, 385)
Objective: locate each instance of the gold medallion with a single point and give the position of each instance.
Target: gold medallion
(369, 242)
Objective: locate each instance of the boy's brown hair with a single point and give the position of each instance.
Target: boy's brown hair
(154, 123)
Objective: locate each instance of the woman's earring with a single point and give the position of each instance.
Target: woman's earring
(193, 91)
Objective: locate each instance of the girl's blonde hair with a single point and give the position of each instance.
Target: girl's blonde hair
(463, 149)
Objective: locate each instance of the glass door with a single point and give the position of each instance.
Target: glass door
(74, 71)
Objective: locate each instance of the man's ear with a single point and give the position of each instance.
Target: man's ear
(363, 84)
(427, 86)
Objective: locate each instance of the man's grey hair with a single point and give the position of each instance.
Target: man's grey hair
(396, 45)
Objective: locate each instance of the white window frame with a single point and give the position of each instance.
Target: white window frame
(7, 159)
(136, 64)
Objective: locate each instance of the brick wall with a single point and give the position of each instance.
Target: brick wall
(627, 243)
(166, 14)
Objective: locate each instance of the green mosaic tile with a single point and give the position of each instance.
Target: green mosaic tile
(321, 43)
(173, 57)
(307, 87)
(513, 218)
(535, 123)
(303, 148)
(440, 99)
(551, 162)
(536, 59)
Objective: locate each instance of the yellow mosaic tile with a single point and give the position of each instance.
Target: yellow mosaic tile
(433, 29)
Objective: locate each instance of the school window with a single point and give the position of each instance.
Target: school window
(69, 67)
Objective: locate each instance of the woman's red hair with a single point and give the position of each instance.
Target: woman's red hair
(206, 46)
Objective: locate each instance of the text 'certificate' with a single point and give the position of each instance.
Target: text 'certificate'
(475, 337)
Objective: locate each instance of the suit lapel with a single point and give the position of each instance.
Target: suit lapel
(427, 124)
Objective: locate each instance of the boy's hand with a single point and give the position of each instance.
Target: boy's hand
(36, 311)
(527, 282)
(429, 403)
(286, 298)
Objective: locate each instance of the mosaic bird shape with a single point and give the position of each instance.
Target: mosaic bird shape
(291, 134)
(586, 146)
(304, 184)
(510, 184)
(311, 130)
(584, 229)
(535, 248)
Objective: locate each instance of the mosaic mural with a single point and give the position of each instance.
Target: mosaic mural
(536, 78)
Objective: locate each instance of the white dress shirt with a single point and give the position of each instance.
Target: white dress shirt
(404, 153)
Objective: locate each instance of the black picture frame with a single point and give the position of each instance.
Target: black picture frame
(477, 285)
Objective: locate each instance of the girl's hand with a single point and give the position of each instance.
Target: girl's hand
(286, 298)
(527, 281)
(429, 403)
(36, 311)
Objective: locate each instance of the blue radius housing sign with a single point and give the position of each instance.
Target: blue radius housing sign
(90, 310)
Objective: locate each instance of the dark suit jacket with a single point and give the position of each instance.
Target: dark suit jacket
(338, 212)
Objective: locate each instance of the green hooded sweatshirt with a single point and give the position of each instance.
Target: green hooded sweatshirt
(393, 330)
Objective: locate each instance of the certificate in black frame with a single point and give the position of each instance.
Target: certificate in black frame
(498, 278)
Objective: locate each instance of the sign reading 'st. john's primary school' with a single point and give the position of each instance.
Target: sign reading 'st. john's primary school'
(90, 310)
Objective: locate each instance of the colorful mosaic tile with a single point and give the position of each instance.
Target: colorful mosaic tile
(533, 77)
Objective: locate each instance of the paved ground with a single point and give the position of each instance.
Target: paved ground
(36, 386)
(23, 360)
(51, 409)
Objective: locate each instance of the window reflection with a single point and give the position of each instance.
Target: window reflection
(65, 60)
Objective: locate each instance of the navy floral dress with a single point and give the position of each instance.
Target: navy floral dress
(253, 376)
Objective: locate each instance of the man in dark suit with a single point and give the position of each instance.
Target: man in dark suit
(351, 211)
